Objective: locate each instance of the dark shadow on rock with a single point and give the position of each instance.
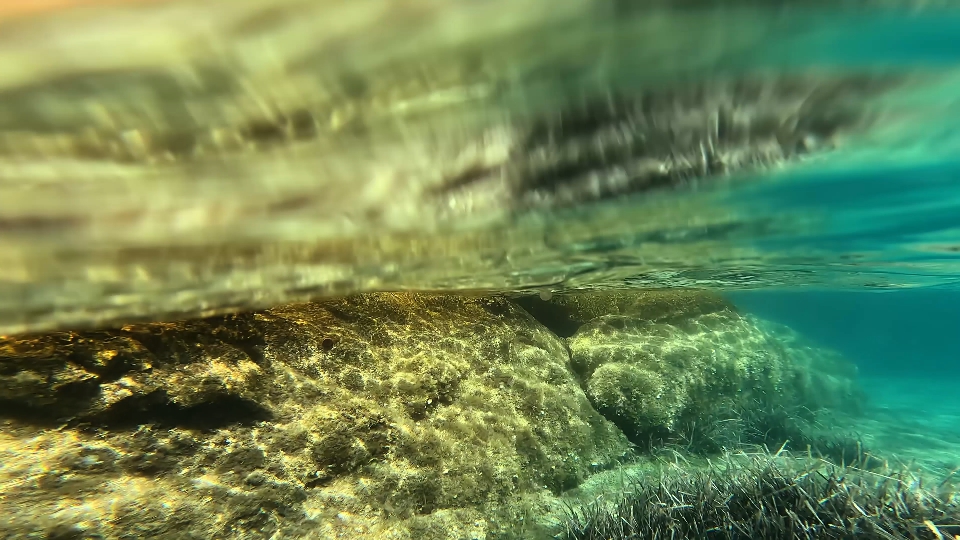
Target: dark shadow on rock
(69, 398)
(216, 411)
(564, 314)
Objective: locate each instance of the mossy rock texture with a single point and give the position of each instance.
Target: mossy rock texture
(566, 313)
(711, 373)
(394, 416)
(379, 416)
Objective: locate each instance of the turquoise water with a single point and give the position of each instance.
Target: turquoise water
(891, 227)
(910, 333)
(901, 323)
(878, 251)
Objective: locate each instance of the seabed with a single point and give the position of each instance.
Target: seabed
(660, 414)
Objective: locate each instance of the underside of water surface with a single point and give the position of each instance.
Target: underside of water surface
(164, 159)
(477, 270)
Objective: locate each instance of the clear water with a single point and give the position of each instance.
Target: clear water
(904, 344)
(894, 224)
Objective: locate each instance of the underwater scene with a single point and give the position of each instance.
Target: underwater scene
(479, 269)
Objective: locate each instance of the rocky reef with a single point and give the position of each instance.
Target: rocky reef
(377, 416)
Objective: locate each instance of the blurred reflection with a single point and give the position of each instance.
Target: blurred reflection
(161, 159)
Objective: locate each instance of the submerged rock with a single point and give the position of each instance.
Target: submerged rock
(688, 378)
(378, 416)
(386, 416)
(566, 313)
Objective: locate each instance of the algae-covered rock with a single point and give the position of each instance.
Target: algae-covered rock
(387, 416)
(566, 313)
(396, 416)
(686, 377)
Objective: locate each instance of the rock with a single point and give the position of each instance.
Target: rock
(398, 416)
(566, 313)
(714, 374)
(387, 416)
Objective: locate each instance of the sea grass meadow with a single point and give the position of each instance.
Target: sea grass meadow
(479, 269)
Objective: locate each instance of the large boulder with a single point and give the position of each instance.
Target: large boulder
(387, 416)
(706, 373)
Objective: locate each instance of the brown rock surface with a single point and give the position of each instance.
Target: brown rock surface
(387, 416)
(566, 313)
(398, 416)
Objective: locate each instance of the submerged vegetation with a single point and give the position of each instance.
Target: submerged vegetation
(767, 427)
(770, 496)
